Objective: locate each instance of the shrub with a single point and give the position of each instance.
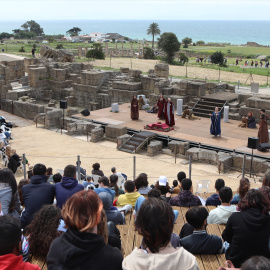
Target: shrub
(59, 46)
(183, 58)
(217, 58)
(22, 49)
(148, 53)
(96, 52)
(200, 42)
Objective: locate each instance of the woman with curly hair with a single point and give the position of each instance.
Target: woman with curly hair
(22, 183)
(141, 184)
(247, 231)
(8, 194)
(43, 229)
(96, 169)
(242, 190)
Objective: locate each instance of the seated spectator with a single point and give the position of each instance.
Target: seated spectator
(30, 171)
(154, 109)
(131, 195)
(185, 197)
(176, 188)
(214, 198)
(221, 214)
(247, 231)
(186, 230)
(36, 194)
(21, 184)
(181, 176)
(88, 181)
(68, 186)
(155, 223)
(104, 187)
(164, 187)
(142, 184)
(256, 263)
(121, 177)
(82, 170)
(80, 247)
(8, 194)
(242, 190)
(57, 178)
(14, 161)
(112, 215)
(50, 175)
(96, 169)
(10, 245)
(200, 242)
(266, 180)
(114, 186)
(43, 229)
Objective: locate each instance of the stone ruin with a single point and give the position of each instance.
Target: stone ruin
(61, 55)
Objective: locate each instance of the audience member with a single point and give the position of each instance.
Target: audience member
(214, 198)
(163, 185)
(80, 247)
(155, 223)
(221, 214)
(49, 175)
(181, 176)
(8, 194)
(30, 171)
(104, 187)
(266, 180)
(131, 195)
(96, 169)
(200, 242)
(88, 181)
(242, 190)
(57, 178)
(36, 194)
(20, 185)
(142, 184)
(43, 229)
(256, 263)
(121, 177)
(68, 186)
(114, 186)
(82, 170)
(112, 215)
(185, 197)
(14, 161)
(247, 231)
(176, 188)
(186, 230)
(10, 245)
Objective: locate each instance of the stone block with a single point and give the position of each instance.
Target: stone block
(97, 135)
(71, 128)
(162, 70)
(124, 70)
(122, 139)
(53, 118)
(225, 163)
(135, 73)
(196, 89)
(113, 132)
(72, 111)
(154, 148)
(202, 155)
(178, 147)
(242, 98)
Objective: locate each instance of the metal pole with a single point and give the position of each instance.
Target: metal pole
(78, 168)
(36, 122)
(134, 168)
(238, 84)
(243, 166)
(186, 71)
(219, 74)
(12, 107)
(87, 136)
(24, 167)
(190, 162)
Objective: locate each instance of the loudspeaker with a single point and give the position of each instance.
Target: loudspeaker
(85, 112)
(63, 104)
(263, 147)
(253, 142)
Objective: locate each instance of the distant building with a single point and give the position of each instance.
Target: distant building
(115, 36)
(97, 36)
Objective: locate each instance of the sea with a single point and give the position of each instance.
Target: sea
(234, 32)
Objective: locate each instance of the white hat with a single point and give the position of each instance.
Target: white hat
(162, 181)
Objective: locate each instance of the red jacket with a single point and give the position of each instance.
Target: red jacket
(13, 262)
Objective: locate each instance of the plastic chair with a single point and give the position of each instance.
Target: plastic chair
(60, 171)
(202, 184)
(95, 178)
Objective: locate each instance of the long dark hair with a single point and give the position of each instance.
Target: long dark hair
(113, 183)
(141, 181)
(43, 229)
(163, 189)
(243, 187)
(22, 183)
(7, 176)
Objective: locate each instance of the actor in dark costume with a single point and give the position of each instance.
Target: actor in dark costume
(263, 128)
(215, 123)
(140, 102)
(248, 121)
(161, 104)
(134, 109)
(169, 113)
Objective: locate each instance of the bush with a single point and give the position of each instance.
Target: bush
(96, 52)
(148, 53)
(217, 58)
(59, 46)
(22, 49)
(183, 58)
(194, 44)
(229, 51)
(200, 42)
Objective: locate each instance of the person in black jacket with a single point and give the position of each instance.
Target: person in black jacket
(200, 242)
(36, 194)
(80, 247)
(248, 231)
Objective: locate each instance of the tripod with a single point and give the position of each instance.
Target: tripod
(250, 77)
(251, 172)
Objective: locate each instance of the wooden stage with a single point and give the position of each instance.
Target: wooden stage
(232, 136)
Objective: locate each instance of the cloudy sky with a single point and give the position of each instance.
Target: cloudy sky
(135, 9)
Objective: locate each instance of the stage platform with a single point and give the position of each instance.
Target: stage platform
(232, 136)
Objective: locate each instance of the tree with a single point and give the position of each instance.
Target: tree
(169, 43)
(32, 26)
(5, 35)
(153, 30)
(186, 41)
(74, 31)
(148, 53)
(200, 42)
(183, 58)
(217, 58)
(96, 52)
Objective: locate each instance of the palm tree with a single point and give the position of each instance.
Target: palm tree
(153, 30)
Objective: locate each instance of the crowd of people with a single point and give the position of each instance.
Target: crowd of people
(74, 225)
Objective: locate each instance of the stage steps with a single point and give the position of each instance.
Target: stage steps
(137, 141)
(207, 105)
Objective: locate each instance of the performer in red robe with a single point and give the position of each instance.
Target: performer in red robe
(263, 128)
(134, 109)
(161, 104)
(169, 113)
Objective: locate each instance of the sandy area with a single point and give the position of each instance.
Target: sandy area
(57, 151)
(192, 72)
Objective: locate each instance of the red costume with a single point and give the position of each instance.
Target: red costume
(161, 104)
(134, 109)
(169, 113)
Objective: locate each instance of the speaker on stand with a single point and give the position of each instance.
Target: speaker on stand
(253, 143)
(63, 105)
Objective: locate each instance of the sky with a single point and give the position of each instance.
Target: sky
(134, 9)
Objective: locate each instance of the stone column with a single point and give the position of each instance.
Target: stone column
(86, 50)
(226, 114)
(106, 49)
(80, 51)
(179, 107)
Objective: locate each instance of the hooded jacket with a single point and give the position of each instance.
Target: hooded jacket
(65, 189)
(35, 195)
(178, 260)
(79, 250)
(11, 261)
(221, 214)
(128, 198)
(247, 233)
(185, 198)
